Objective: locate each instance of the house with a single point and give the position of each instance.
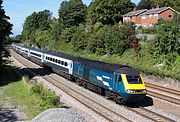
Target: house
(134, 16)
(150, 17)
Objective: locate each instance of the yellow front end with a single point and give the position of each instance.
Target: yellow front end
(134, 88)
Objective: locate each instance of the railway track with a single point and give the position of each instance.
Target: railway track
(175, 94)
(151, 115)
(100, 109)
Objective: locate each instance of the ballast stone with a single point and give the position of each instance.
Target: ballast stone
(58, 115)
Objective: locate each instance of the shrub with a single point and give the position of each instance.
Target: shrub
(79, 38)
(97, 39)
(36, 88)
(168, 43)
(67, 34)
(49, 98)
(167, 40)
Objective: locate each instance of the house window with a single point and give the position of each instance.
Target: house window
(170, 16)
(150, 16)
(62, 62)
(125, 18)
(155, 15)
(144, 17)
(144, 25)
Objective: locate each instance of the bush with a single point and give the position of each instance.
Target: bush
(97, 39)
(142, 30)
(67, 34)
(48, 97)
(168, 44)
(36, 88)
(79, 38)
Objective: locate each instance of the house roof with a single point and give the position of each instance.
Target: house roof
(135, 13)
(158, 10)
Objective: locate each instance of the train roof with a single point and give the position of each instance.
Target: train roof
(35, 49)
(117, 68)
(111, 68)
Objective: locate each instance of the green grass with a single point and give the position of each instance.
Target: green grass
(20, 94)
(17, 90)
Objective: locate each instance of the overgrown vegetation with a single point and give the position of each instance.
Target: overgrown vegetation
(20, 92)
(49, 98)
(5, 28)
(148, 4)
(99, 34)
(142, 30)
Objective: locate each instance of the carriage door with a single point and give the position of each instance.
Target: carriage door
(117, 82)
(86, 73)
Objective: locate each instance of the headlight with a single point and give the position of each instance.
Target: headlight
(144, 90)
(130, 91)
(136, 91)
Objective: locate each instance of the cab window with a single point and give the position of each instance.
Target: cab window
(120, 79)
(134, 79)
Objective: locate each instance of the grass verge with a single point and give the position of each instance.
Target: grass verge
(18, 91)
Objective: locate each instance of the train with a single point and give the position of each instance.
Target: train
(120, 83)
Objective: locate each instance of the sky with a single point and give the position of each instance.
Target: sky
(18, 10)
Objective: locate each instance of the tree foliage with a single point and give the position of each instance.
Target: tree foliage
(169, 43)
(144, 4)
(108, 12)
(148, 4)
(5, 27)
(72, 12)
(36, 21)
(166, 3)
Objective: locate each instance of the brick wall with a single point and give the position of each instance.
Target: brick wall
(150, 19)
(166, 14)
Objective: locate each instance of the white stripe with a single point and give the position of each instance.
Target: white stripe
(104, 82)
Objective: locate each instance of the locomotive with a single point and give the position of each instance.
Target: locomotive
(114, 81)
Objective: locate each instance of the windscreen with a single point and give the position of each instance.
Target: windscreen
(134, 79)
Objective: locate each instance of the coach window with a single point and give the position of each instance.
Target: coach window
(65, 64)
(51, 59)
(62, 62)
(59, 62)
(120, 78)
(56, 61)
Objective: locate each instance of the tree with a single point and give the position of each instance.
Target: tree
(72, 13)
(36, 21)
(144, 4)
(175, 4)
(108, 12)
(5, 27)
(168, 44)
